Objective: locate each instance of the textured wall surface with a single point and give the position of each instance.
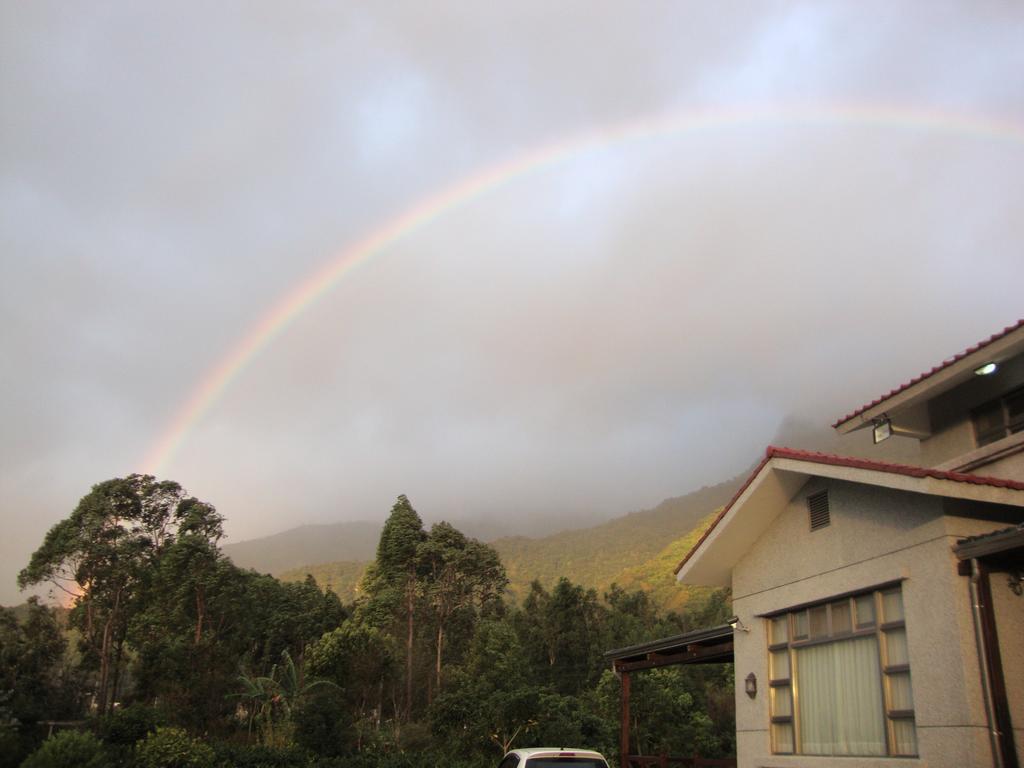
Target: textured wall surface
(876, 535)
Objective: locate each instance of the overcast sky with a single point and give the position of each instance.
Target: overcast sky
(618, 325)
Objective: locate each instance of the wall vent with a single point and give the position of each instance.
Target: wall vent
(817, 505)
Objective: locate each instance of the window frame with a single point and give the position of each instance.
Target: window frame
(881, 626)
(1008, 424)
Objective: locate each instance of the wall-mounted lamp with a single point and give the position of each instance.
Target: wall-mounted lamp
(735, 623)
(986, 369)
(750, 685)
(882, 430)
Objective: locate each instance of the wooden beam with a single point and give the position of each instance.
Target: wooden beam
(995, 672)
(624, 733)
(695, 655)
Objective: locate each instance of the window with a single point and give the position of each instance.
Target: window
(839, 677)
(999, 418)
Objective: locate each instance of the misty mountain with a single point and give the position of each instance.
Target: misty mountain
(596, 556)
(626, 549)
(307, 544)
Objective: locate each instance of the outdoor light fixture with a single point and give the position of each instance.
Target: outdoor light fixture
(735, 623)
(750, 685)
(882, 430)
(986, 369)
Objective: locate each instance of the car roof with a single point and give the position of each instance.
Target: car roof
(555, 752)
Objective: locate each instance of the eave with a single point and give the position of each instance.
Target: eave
(781, 475)
(951, 373)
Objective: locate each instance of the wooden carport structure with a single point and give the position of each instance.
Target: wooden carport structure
(703, 646)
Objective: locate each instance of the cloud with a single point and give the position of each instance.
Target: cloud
(592, 336)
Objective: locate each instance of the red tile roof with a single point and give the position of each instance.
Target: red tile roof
(933, 371)
(897, 469)
(908, 470)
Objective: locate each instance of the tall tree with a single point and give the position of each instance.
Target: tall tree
(460, 573)
(392, 583)
(561, 632)
(102, 555)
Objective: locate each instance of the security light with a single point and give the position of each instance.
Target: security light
(986, 369)
(882, 431)
(735, 624)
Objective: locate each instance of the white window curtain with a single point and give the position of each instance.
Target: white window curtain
(839, 693)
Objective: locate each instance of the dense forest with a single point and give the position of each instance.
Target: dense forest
(639, 549)
(170, 655)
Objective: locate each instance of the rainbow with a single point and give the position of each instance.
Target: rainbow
(315, 286)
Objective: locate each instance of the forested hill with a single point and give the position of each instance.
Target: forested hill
(632, 549)
(307, 545)
(595, 557)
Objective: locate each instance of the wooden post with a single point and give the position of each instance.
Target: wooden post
(995, 670)
(624, 738)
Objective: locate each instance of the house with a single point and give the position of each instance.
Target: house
(879, 609)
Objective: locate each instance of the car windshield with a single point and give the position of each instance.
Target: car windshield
(562, 762)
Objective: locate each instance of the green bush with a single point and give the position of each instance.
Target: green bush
(260, 756)
(173, 748)
(14, 746)
(127, 726)
(68, 749)
(323, 725)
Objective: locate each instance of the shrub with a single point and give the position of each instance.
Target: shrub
(323, 725)
(260, 756)
(14, 746)
(68, 749)
(173, 748)
(127, 726)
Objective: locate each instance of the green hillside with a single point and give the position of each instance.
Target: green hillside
(342, 577)
(637, 551)
(657, 575)
(291, 549)
(596, 557)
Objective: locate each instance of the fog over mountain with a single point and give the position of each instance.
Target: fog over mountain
(597, 253)
(550, 541)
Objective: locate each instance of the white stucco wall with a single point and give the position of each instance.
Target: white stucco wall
(955, 438)
(876, 535)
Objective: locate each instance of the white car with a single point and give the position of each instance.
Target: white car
(553, 757)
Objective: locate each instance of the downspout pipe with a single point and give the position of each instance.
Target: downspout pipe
(977, 607)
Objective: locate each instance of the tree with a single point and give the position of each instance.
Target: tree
(392, 582)
(271, 700)
(32, 673)
(359, 659)
(490, 703)
(667, 714)
(460, 573)
(561, 632)
(103, 553)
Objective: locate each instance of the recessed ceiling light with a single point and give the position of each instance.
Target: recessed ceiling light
(986, 369)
